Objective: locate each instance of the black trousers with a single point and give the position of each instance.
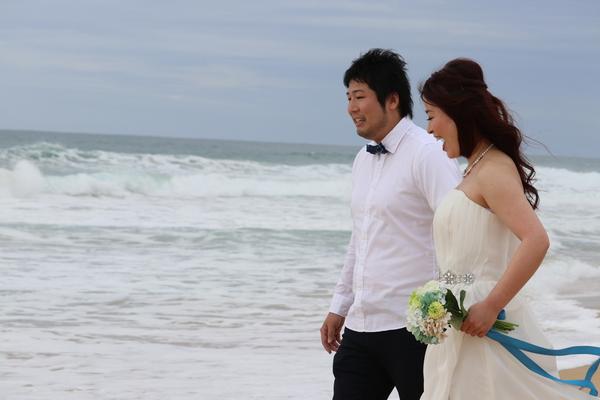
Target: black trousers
(368, 365)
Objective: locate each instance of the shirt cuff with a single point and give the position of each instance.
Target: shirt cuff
(340, 305)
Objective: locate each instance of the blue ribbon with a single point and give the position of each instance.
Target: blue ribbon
(516, 348)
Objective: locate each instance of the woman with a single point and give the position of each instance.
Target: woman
(489, 241)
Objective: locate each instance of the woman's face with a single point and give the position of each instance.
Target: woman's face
(442, 127)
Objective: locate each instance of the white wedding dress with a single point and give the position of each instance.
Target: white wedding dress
(473, 245)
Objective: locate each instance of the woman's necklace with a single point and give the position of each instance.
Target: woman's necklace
(470, 167)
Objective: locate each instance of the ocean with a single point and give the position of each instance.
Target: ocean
(157, 268)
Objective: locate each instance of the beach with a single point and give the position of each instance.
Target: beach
(140, 267)
(579, 373)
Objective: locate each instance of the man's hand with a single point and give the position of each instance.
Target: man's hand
(330, 332)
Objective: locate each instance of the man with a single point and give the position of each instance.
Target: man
(397, 183)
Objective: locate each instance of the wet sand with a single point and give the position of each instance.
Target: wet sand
(579, 373)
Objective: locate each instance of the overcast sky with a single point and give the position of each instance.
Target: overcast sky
(272, 70)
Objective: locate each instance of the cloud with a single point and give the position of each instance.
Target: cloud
(276, 61)
(174, 60)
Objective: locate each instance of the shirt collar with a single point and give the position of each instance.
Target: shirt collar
(392, 140)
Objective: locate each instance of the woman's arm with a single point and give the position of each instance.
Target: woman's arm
(501, 188)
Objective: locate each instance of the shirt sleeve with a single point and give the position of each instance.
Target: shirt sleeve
(343, 296)
(435, 174)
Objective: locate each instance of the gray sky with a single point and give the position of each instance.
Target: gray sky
(271, 70)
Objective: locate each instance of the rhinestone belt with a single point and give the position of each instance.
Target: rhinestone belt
(452, 278)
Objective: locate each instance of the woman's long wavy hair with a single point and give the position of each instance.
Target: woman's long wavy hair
(459, 89)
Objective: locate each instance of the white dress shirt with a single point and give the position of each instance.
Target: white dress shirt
(391, 251)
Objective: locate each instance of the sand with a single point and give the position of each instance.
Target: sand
(579, 373)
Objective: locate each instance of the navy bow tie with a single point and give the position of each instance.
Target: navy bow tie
(377, 149)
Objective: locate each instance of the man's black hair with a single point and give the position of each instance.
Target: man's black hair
(384, 71)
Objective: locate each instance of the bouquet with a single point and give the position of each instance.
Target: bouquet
(432, 308)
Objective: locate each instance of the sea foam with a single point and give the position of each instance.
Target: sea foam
(115, 261)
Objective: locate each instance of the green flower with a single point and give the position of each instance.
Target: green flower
(414, 301)
(436, 310)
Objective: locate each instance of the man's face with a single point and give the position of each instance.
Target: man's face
(369, 117)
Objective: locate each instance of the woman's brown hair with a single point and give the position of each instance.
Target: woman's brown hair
(459, 89)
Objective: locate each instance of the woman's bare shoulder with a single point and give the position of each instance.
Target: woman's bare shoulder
(498, 171)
